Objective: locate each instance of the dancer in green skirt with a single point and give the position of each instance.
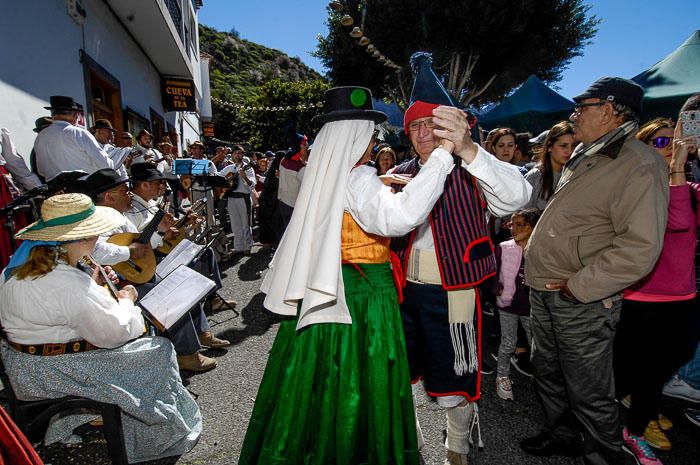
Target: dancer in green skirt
(337, 389)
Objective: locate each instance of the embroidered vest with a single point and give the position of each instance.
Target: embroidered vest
(511, 257)
(358, 246)
(458, 223)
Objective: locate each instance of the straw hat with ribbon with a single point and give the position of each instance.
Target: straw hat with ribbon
(70, 217)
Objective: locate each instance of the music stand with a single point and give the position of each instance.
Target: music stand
(225, 305)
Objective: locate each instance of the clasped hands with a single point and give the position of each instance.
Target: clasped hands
(454, 132)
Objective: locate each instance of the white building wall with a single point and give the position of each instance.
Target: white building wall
(39, 57)
(45, 61)
(111, 47)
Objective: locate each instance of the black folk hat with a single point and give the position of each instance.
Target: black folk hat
(617, 90)
(61, 102)
(42, 123)
(101, 181)
(145, 172)
(348, 103)
(103, 124)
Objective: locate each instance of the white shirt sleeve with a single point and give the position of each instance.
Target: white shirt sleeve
(379, 211)
(16, 165)
(89, 145)
(109, 254)
(103, 321)
(118, 154)
(504, 188)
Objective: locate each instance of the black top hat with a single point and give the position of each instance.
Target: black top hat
(42, 123)
(103, 124)
(101, 181)
(343, 103)
(61, 102)
(145, 172)
(615, 89)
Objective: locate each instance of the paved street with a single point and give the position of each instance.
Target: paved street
(226, 396)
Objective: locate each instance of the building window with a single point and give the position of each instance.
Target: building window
(103, 94)
(158, 126)
(176, 15)
(134, 122)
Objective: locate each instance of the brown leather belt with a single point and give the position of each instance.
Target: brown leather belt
(72, 347)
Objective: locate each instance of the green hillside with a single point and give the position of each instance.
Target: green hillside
(240, 67)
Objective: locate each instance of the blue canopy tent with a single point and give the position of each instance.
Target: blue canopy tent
(672, 80)
(533, 108)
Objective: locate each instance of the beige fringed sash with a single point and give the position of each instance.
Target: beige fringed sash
(461, 304)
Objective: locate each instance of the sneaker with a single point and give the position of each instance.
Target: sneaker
(504, 388)
(638, 448)
(681, 390)
(487, 309)
(665, 423)
(521, 362)
(693, 415)
(655, 437)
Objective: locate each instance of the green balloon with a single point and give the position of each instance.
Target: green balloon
(358, 97)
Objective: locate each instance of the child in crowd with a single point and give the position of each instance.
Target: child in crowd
(512, 295)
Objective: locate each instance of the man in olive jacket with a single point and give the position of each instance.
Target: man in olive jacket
(601, 232)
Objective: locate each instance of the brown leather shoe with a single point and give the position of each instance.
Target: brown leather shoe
(217, 303)
(208, 339)
(196, 362)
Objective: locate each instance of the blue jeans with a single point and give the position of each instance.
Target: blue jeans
(690, 372)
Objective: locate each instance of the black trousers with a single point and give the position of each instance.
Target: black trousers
(652, 343)
(573, 361)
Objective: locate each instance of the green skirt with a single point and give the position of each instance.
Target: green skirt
(335, 393)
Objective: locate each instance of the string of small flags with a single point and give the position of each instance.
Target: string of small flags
(236, 106)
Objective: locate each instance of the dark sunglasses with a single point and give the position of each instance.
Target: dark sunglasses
(661, 141)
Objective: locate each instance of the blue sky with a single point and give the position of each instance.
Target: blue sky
(632, 36)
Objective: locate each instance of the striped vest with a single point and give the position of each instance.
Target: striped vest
(458, 223)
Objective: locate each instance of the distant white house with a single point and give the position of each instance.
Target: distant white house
(129, 61)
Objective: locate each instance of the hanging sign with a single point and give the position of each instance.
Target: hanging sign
(208, 129)
(178, 94)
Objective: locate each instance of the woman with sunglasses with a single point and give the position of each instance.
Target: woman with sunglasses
(655, 327)
(659, 134)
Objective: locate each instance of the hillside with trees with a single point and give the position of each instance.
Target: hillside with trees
(253, 76)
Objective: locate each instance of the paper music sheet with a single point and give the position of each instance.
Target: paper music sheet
(182, 254)
(171, 298)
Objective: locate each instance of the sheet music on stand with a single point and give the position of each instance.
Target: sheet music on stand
(182, 254)
(174, 296)
(190, 166)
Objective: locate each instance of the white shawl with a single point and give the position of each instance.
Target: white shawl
(307, 265)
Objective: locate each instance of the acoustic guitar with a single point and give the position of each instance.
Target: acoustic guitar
(233, 179)
(169, 244)
(138, 270)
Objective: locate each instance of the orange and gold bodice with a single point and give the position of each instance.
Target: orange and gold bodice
(358, 246)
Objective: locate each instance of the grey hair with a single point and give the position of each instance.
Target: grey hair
(98, 198)
(626, 112)
(62, 112)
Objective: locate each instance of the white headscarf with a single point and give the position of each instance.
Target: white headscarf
(307, 265)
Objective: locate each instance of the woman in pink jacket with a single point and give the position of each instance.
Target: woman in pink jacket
(657, 311)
